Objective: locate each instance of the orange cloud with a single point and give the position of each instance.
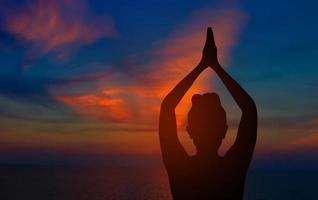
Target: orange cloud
(136, 95)
(53, 25)
(99, 106)
(308, 141)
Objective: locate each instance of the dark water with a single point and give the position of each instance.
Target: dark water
(95, 183)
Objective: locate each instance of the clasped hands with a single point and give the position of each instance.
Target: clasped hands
(209, 54)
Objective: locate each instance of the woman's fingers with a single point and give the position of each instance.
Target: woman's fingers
(209, 34)
(210, 37)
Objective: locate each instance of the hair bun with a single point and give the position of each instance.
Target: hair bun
(212, 98)
(196, 99)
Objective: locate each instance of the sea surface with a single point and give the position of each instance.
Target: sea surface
(36, 182)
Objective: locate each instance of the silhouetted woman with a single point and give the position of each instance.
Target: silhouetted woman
(207, 175)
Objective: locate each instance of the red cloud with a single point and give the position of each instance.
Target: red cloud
(140, 91)
(307, 141)
(99, 106)
(58, 26)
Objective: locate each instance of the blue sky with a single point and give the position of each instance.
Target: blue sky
(71, 71)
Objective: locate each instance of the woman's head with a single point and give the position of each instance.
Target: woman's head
(207, 121)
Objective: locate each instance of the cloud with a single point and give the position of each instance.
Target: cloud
(133, 93)
(287, 136)
(124, 100)
(58, 27)
(309, 140)
(42, 109)
(100, 106)
(26, 98)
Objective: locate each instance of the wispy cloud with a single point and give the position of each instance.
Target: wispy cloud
(58, 27)
(124, 100)
(307, 141)
(134, 92)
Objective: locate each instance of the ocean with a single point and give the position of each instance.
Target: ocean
(44, 182)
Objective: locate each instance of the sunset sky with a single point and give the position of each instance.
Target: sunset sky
(82, 81)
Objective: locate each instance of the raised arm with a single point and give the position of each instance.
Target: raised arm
(171, 148)
(243, 147)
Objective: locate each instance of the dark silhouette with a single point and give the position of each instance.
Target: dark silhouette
(207, 175)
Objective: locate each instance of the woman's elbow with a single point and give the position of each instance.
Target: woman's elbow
(250, 108)
(166, 104)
